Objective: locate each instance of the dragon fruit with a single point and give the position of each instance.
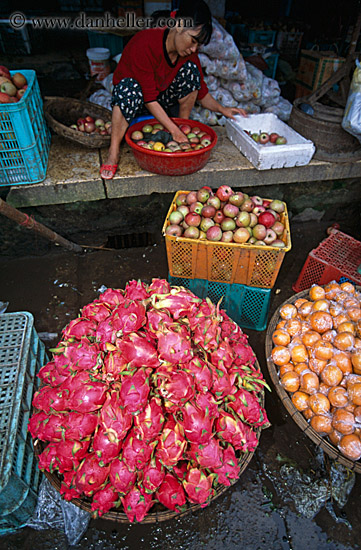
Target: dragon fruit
(171, 493)
(91, 476)
(152, 396)
(121, 477)
(150, 421)
(197, 424)
(153, 476)
(198, 486)
(137, 351)
(104, 499)
(96, 311)
(112, 297)
(229, 469)
(171, 444)
(136, 290)
(137, 452)
(79, 328)
(137, 503)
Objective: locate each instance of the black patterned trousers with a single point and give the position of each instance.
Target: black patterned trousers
(128, 95)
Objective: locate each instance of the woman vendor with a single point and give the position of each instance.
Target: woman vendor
(159, 69)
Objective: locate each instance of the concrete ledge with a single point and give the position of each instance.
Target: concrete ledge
(73, 175)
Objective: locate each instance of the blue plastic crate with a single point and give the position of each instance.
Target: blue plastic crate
(22, 354)
(113, 42)
(24, 137)
(248, 306)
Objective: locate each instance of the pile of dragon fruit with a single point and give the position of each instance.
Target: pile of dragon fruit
(152, 397)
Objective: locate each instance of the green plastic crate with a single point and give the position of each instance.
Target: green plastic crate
(22, 355)
(248, 306)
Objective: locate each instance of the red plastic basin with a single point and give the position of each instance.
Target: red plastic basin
(171, 164)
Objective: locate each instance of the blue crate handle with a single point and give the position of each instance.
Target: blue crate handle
(140, 118)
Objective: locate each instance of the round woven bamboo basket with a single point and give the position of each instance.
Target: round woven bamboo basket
(158, 512)
(296, 415)
(61, 112)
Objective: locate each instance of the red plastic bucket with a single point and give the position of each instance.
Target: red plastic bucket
(171, 164)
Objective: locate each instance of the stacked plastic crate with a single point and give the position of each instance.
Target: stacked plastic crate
(24, 137)
(22, 354)
(242, 274)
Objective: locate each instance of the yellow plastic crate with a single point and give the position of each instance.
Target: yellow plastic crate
(245, 264)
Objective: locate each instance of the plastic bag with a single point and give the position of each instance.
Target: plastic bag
(351, 121)
(282, 109)
(270, 92)
(224, 97)
(212, 82)
(101, 97)
(3, 306)
(52, 512)
(221, 44)
(107, 83)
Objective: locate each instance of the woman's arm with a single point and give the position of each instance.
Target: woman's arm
(208, 102)
(159, 113)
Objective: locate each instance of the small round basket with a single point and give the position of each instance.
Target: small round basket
(171, 164)
(61, 112)
(296, 415)
(158, 512)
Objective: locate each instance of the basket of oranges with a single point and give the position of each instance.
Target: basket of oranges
(313, 350)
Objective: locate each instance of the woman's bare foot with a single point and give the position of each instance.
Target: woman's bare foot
(108, 169)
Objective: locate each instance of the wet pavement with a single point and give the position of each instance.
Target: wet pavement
(276, 503)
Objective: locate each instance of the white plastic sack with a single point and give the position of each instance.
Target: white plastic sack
(221, 44)
(212, 82)
(351, 121)
(282, 109)
(107, 83)
(224, 97)
(101, 97)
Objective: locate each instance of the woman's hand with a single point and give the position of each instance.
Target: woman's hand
(178, 136)
(230, 112)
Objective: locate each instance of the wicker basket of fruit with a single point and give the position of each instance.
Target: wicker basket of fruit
(313, 350)
(153, 402)
(80, 121)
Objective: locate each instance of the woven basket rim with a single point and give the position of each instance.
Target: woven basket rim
(160, 513)
(295, 414)
(92, 141)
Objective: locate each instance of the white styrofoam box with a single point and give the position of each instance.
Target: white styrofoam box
(298, 150)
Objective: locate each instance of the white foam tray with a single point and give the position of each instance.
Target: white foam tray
(298, 150)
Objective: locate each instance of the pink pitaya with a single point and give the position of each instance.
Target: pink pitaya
(171, 493)
(49, 399)
(251, 438)
(134, 391)
(198, 486)
(137, 351)
(96, 311)
(197, 424)
(248, 408)
(81, 354)
(159, 286)
(137, 503)
(179, 302)
(207, 402)
(48, 459)
(80, 426)
(207, 333)
(104, 500)
(180, 469)
(91, 476)
(77, 328)
(201, 372)
(36, 422)
(229, 469)
(112, 297)
(244, 354)
(88, 397)
(171, 444)
(152, 476)
(174, 346)
(223, 355)
(129, 317)
(106, 445)
(207, 456)
(136, 452)
(223, 383)
(121, 477)
(63, 456)
(157, 320)
(136, 290)
(175, 385)
(114, 364)
(68, 489)
(229, 328)
(150, 421)
(105, 333)
(113, 417)
(51, 375)
(48, 427)
(231, 430)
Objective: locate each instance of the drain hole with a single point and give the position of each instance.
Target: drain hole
(131, 241)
